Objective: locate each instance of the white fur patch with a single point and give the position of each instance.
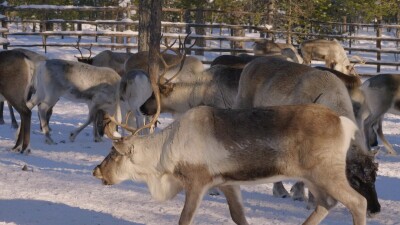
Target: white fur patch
(349, 128)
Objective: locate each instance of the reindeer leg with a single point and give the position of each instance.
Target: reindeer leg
(297, 191)
(98, 127)
(14, 123)
(350, 198)
(26, 120)
(43, 111)
(194, 195)
(324, 204)
(279, 190)
(369, 123)
(234, 199)
(387, 145)
(1, 112)
(75, 133)
(22, 143)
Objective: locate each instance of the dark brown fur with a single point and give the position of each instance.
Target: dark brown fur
(15, 70)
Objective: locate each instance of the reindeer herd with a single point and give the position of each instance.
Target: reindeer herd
(244, 120)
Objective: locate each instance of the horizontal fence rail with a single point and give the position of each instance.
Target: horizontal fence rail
(125, 31)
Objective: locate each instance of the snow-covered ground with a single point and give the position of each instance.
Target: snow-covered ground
(58, 187)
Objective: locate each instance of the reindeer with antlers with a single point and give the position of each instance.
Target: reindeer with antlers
(79, 82)
(135, 87)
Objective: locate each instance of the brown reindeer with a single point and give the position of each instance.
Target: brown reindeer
(209, 147)
(17, 68)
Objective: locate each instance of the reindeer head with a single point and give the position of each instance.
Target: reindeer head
(159, 84)
(361, 172)
(116, 167)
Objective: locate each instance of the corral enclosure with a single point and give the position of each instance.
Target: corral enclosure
(116, 28)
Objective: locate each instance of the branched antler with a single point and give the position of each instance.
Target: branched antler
(180, 53)
(83, 58)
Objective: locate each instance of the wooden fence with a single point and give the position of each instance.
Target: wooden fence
(125, 32)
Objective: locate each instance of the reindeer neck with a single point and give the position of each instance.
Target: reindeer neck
(185, 96)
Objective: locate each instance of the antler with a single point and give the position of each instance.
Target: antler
(181, 58)
(109, 120)
(155, 83)
(79, 49)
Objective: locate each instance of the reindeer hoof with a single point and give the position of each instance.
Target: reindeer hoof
(19, 149)
(2, 122)
(310, 205)
(280, 193)
(72, 137)
(298, 195)
(213, 192)
(14, 126)
(392, 152)
(98, 140)
(49, 141)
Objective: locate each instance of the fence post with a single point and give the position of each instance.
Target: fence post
(378, 43)
(188, 20)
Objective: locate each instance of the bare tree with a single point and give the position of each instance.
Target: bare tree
(144, 25)
(154, 52)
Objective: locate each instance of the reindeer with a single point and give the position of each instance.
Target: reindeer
(204, 148)
(177, 66)
(269, 46)
(134, 90)
(79, 82)
(113, 60)
(353, 86)
(271, 81)
(382, 95)
(17, 68)
(135, 86)
(331, 52)
(33, 56)
(216, 86)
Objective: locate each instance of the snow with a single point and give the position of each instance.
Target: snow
(58, 186)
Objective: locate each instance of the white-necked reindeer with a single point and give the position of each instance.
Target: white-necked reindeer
(209, 147)
(78, 82)
(135, 87)
(382, 94)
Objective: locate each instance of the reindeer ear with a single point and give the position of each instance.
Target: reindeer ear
(123, 148)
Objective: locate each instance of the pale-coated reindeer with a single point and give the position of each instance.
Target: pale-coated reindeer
(107, 58)
(268, 47)
(17, 68)
(176, 66)
(382, 94)
(216, 87)
(135, 86)
(134, 90)
(205, 148)
(271, 81)
(331, 52)
(78, 82)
